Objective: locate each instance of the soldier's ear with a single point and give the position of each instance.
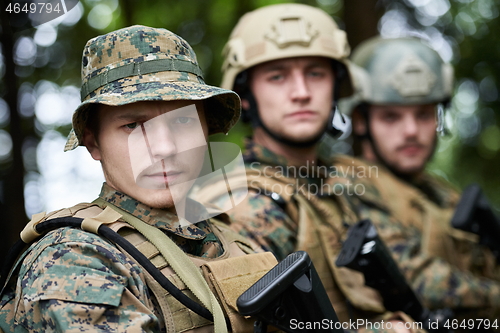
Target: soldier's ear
(358, 123)
(90, 142)
(245, 104)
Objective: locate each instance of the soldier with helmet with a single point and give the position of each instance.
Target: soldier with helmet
(145, 115)
(403, 88)
(288, 64)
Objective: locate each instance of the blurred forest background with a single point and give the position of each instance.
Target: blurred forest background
(40, 80)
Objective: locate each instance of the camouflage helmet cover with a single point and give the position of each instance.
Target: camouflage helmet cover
(140, 63)
(402, 71)
(283, 31)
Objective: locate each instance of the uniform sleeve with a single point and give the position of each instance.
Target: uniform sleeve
(77, 286)
(259, 218)
(438, 282)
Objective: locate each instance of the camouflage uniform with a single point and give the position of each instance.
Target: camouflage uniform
(73, 280)
(285, 210)
(264, 219)
(444, 265)
(269, 216)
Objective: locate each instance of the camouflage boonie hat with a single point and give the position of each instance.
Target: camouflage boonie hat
(140, 63)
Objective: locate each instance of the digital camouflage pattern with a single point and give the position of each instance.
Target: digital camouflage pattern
(444, 265)
(262, 218)
(196, 239)
(77, 281)
(140, 63)
(274, 223)
(72, 280)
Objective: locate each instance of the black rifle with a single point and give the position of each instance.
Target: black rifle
(474, 214)
(290, 297)
(365, 252)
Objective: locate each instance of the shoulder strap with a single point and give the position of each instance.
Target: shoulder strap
(233, 237)
(180, 263)
(351, 283)
(257, 179)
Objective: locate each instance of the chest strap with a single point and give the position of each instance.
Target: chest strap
(180, 263)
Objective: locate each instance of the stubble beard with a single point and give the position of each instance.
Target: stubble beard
(154, 198)
(412, 172)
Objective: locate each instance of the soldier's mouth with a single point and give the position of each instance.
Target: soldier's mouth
(302, 114)
(411, 149)
(164, 177)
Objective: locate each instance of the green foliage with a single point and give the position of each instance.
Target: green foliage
(474, 152)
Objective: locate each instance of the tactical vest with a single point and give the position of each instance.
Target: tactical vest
(320, 234)
(409, 206)
(228, 275)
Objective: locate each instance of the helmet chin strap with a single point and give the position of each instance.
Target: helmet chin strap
(252, 115)
(337, 126)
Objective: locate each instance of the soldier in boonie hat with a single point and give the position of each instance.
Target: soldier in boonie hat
(141, 84)
(140, 63)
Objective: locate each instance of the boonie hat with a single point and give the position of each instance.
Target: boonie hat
(140, 63)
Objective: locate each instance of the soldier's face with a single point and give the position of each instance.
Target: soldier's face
(405, 136)
(151, 151)
(294, 96)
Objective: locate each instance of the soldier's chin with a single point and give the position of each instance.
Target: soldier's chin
(305, 140)
(410, 170)
(162, 201)
(415, 166)
(151, 184)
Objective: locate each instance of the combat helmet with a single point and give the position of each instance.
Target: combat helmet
(283, 31)
(400, 71)
(140, 63)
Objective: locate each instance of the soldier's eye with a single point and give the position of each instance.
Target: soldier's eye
(276, 77)
(132, 125)
(389, 117)
(316, 74)
(426, 115)
(182, 120)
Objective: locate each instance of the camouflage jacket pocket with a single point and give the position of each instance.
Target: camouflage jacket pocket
(77, 284)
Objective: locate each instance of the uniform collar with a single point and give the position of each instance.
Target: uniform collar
(257, 153)
(437, 190)
(159, 218)
(432, 187)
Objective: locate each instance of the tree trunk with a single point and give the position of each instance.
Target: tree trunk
(361, 19)
(13, 215)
